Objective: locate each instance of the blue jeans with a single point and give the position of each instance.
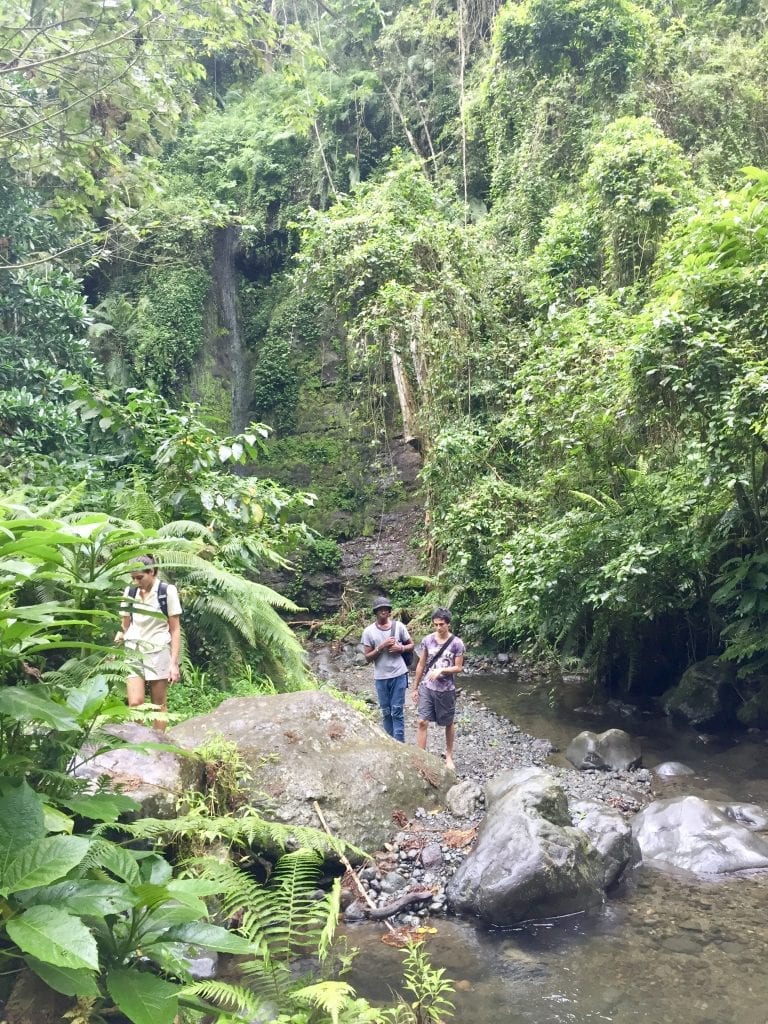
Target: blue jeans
(391, 696)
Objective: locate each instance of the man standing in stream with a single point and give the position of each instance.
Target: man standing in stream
(440, 661)
(384, 643)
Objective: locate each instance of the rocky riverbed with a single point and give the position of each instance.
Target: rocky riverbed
(425, 850)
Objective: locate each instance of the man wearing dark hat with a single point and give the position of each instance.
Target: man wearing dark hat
(384, 643)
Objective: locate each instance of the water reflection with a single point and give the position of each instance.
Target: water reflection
(666, 949)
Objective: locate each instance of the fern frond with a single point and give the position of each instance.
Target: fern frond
(329, 996)
(184, 528)
(211, 605)
(250, 830)
(300, 919)
(225, 996)
(333, 910)
(281, 918)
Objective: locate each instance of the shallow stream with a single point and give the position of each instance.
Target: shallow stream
(666, 948)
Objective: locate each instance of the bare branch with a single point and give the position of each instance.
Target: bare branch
(43, 259)
(75, 54)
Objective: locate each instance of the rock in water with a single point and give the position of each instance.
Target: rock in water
(307, 746)
(529, 862)
(695, 835)
(751, 816)
(610, 835)
(672, 769)
(610, 750)
(705, 695)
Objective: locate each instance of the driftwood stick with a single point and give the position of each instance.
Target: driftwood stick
(415, 896)
(345, 861)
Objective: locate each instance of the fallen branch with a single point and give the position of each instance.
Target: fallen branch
(353, 874)
(415, 896)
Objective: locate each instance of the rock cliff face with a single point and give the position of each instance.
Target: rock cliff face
(308, 746)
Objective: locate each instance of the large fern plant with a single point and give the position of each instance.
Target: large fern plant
(236, 616)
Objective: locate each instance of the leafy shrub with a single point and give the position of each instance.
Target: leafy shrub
(599, 40)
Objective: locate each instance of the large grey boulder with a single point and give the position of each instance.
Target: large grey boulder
(705, 695)
(158, 780)
(610, 835)
(613, 749)
(529, 862)
(696, 835)
(308, 746)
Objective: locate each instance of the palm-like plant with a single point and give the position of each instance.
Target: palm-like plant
(80, 562)
(237, 616)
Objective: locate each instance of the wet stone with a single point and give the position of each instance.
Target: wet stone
(682, 944)
(432, 855)
(393, 881)
(354, 913)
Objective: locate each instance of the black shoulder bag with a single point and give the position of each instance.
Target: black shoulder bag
(407, 656)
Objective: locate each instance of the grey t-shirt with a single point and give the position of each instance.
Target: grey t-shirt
(387, 665)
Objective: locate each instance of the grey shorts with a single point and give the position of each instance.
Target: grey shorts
(438, 706)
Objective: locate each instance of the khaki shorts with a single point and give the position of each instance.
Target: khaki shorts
(149, 665)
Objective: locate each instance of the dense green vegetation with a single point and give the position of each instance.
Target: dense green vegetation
(530, 237)
(240, 252)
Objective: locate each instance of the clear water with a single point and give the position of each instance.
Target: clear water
(665, 949)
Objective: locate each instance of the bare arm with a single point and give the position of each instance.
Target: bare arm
(125, 621)
(174, 628)
(418, 674)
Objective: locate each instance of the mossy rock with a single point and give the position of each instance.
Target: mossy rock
(705, 695)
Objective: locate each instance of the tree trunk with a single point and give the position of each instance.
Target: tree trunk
(405, 397)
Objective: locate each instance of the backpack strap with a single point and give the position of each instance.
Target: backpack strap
(162, 597)
(434, 657)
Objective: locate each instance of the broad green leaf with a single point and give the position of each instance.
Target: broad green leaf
(170, 914)
(66, 980)
(56, 820)
(210, 936)
(85, 897)
(22, 821)
(43, 862)
(55, 937)
(26, 706)
(120, 862)
(143, 997)
(157, 870)
(88, 697)
(197, 887)
(101, 806)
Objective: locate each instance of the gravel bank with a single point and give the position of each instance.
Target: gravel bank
(426, 850)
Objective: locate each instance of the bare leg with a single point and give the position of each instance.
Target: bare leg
(159, 690)
(135, 686)
(421, 734)
(450, 731)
